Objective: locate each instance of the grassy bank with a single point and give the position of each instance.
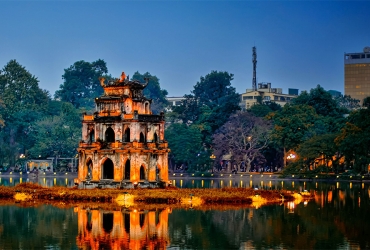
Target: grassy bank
(26, 192)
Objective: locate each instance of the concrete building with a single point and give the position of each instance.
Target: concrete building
(266, 93)
(357, 74)
(173, 101)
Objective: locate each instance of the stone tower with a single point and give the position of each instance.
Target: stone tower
(123, 143)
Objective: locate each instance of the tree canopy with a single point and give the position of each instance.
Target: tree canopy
(243, 136)
(153, 91)
(81, 83)
(321, 100)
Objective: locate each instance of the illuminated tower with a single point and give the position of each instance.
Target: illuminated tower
(123, 143)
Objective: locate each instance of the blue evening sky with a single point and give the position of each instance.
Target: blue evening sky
(300, 44)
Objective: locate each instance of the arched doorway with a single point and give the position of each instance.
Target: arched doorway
(155, 137)
(127, 170)
(109, 135)
(142, 138)
(127, 135)
(142, 173)
(108, 169)
(89, 166)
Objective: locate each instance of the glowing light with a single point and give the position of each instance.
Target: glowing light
(291, 156)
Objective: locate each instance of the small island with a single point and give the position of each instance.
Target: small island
(26, 192)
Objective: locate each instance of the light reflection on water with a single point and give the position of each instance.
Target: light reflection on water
(337, 218)
(43, 181)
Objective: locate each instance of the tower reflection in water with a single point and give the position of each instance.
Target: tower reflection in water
(128, 229)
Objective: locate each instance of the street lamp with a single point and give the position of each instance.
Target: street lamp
(212, 157)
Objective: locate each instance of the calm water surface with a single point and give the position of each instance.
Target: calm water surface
(338, 218)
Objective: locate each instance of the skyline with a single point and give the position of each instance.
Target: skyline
(299, 44)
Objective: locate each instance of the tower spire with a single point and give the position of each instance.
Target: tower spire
(254, 60)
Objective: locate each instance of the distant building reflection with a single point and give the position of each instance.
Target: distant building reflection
(129, 229)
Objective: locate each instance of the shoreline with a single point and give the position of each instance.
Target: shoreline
(194, 197)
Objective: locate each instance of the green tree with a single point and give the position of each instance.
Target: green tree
(19, 90)
(366, 102)
(81, 83)
(321, 100)
(153, 91)
(293, 125)
(23, 103)
(186, 145)
(57, 135)
(214, 91)
(320, 146)
(212, 101)
(260, 110)
(347, 103)
(354, 140)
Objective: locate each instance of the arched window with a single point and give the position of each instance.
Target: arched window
(142, 138)
(92, 136)
(142, 173)
(155, 137)
(127, 170)
(127, 135)
(109, 135)
(89, 166)
(108, 169)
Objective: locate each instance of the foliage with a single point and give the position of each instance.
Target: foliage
(366, 102)
(320, 146)
(215, 92)
(244, 136)
(57, 135)
(321, 100)
(153, 91)
(260, 110)
(19, 90)
(354, 140)
(81, 83)
(22, 102)
(347, 102)
(293, 125)
(186, 146)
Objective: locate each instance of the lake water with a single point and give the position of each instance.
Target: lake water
(337, 218)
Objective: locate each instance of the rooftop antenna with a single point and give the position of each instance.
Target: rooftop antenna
(254, 60)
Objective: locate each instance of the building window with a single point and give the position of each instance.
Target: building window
(142, 138)
(109, 135)
(247, 98)
(127, 135)
(142, 173)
